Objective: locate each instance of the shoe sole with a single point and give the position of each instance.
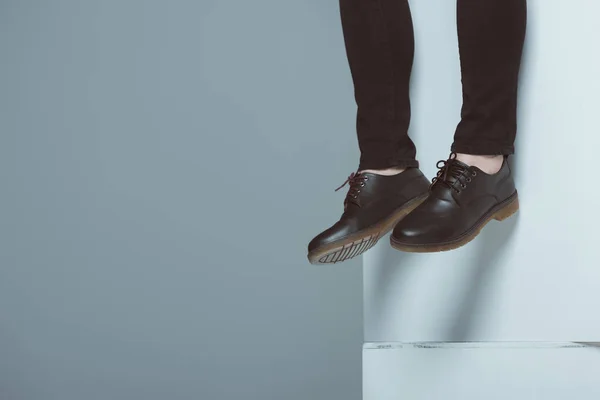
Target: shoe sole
(361, 241)
(500, 212)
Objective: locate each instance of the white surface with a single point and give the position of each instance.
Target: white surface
(535, 276)
(474, 371)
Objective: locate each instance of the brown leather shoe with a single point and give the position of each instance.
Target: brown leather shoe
(462, 200)
(373, 205)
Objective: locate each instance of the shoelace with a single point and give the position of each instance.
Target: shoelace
(450, 172)
(356, 182)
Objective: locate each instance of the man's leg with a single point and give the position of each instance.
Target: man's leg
(475, 185)
(491, 35)
(379, 42)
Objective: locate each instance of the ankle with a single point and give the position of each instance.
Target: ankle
(490, 164)
(385, 172)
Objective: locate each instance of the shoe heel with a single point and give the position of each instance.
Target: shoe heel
(507, 210)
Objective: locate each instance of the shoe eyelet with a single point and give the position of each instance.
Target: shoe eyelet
(458, 192)
(474, 173)
(469, 180)
(362, 184)
(463, 186)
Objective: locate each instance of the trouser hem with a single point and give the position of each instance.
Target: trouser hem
(483, 149)
(384, 163)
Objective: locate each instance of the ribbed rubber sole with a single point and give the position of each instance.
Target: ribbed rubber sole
(500, 212)
(359, 242)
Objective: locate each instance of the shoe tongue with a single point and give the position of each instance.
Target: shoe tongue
(454, 161)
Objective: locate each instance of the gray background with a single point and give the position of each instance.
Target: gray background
(163, 165)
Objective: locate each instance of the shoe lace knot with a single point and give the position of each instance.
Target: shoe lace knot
(453, 174)
(356, 181)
